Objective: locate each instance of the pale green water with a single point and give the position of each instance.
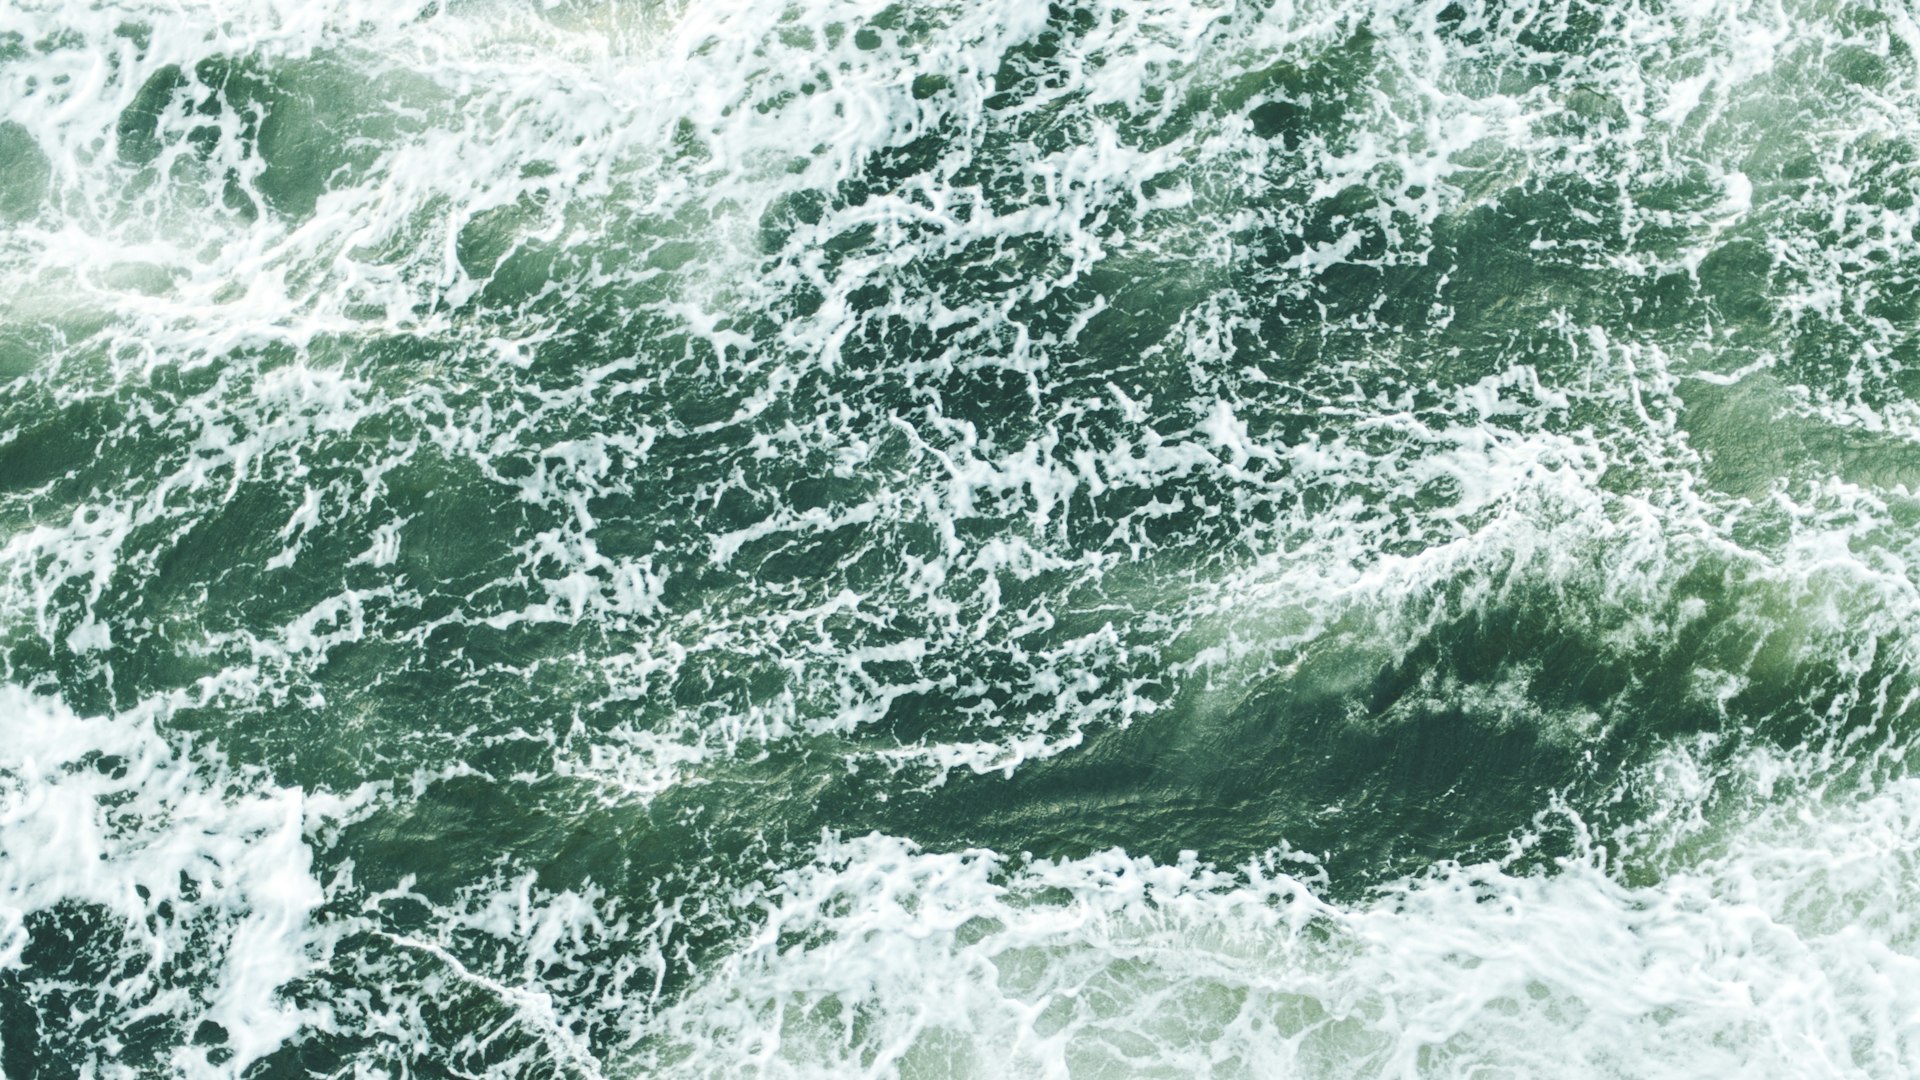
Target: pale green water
(1133, 539)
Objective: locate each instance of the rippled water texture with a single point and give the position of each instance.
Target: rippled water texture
(829, 538)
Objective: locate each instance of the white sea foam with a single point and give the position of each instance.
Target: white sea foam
(381, 319)
(1789, 954)
(198, 879)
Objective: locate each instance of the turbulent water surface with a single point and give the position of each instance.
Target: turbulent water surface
(1178, 538)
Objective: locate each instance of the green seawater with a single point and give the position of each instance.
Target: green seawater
(921, 539)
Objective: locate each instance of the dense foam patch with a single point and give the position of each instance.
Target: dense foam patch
(158, 901)
(1788, 954)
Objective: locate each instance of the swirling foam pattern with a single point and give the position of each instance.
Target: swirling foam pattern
(959, 538)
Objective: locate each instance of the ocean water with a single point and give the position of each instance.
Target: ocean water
(959, 538)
